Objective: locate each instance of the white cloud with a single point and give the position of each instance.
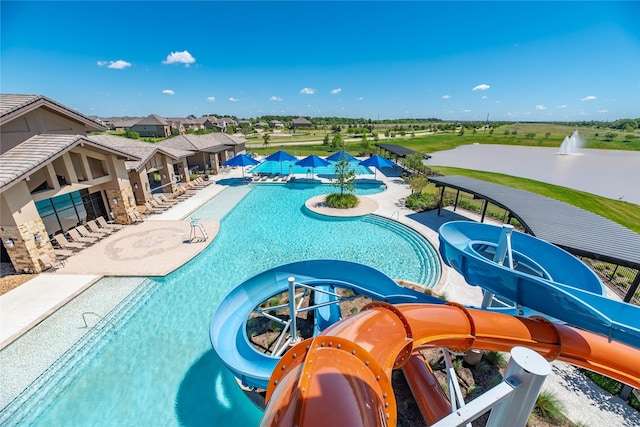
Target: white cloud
(275, 98)
(180, 58)
(540, 107)
(589, 98)
(307, 91)
(483, 97)
(466, 111)
(336, 91)
(481, 87)
(562, 106)
(233, 99)
(447, 96)
(168, 92)
(360, 98)
(603, 111)
(115, 65)
(211, 99)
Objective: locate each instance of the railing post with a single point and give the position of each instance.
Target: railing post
(531, 369)
(293, 311)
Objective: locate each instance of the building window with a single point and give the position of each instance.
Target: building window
(66, 211)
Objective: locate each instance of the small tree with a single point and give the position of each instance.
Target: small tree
(365, 142)
(337, 143)
(266, 137)
(325, 141)
(414, 161)
(345, 174)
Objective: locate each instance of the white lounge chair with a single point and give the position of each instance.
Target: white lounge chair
(47, 263)
(76, 237)
(65, 244)
(104, 224)
(86, 233)
(93, 227)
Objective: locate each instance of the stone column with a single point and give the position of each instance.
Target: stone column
(121, 200)
(27, 248)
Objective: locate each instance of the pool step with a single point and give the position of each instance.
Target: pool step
(430, 268)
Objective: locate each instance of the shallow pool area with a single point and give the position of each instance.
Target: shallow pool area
(150, 361)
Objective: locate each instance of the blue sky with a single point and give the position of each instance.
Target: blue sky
(520, 61)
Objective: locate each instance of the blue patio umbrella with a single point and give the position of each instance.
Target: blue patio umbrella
(377, 162)
(241, 160)
(312, 162)
(335, 157)
(281, 156)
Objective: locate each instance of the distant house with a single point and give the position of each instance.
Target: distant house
(276, 124)
(209, 151)
(300, 122)
(261, 125)
(212, 122)
(152, 126)
(122, 123)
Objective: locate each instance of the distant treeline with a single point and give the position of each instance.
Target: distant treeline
(628, 125)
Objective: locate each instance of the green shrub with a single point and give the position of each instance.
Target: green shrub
(342, 201)
(495, 380)
(474, 390)
(457, 364)
(634, 402)
(482, 366)
(548, 406)
(496, 358)
(606, 383)
(421, 201)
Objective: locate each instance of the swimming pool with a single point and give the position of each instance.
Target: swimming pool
(151, 362)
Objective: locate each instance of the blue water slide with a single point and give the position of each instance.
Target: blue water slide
(228, 325)
(325, 315)
(545, 279)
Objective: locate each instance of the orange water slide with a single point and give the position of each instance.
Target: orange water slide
(343, 376)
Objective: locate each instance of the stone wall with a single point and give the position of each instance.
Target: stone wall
(27, 252)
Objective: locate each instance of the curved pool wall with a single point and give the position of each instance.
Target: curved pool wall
(155, 366)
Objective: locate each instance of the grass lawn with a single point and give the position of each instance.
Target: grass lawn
(503, 135)
(624, 213)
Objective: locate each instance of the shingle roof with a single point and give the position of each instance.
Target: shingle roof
(204, 142)
(31, 154)
(153, 119)
(12, 105)
(143, 150)
(576, 230)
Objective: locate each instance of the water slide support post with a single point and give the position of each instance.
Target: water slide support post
(531, 369)
(293, 311)
(502, 250)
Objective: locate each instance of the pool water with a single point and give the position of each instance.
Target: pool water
(152, 364)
